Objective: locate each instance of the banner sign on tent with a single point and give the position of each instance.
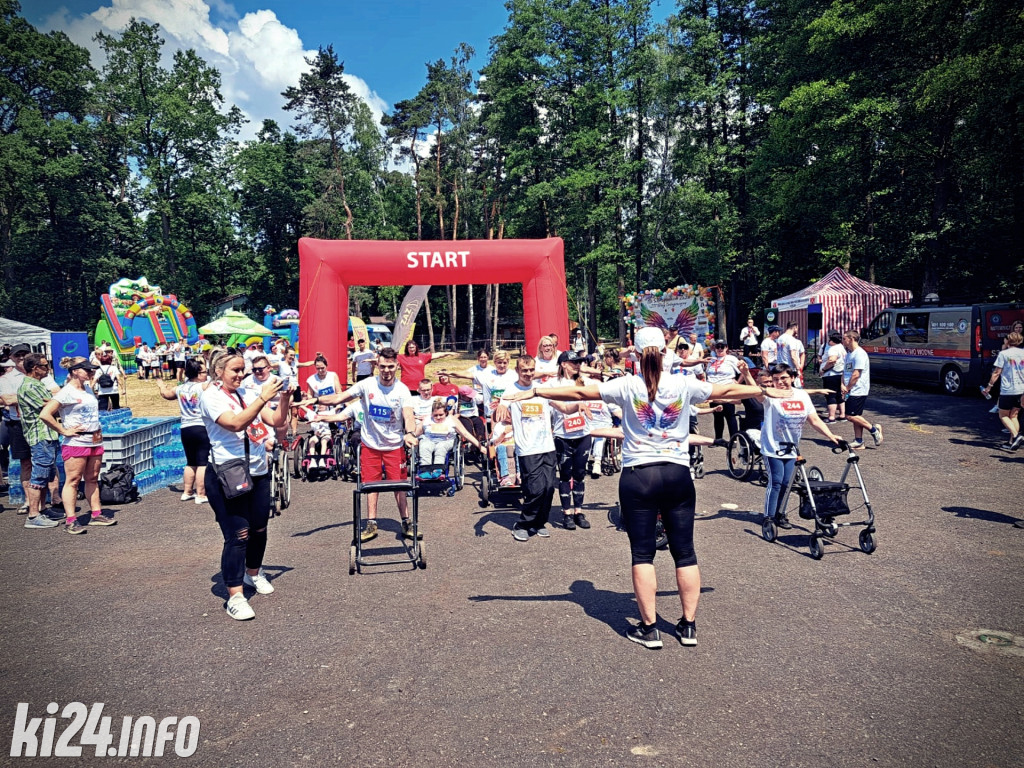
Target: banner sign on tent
(786, 305)
(688, 308)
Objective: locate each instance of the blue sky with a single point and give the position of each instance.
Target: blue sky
(258, 45)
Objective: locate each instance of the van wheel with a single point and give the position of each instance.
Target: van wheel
(952, 380)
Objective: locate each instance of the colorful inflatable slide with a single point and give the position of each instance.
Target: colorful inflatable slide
(135, 311)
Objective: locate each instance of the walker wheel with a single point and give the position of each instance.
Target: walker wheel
(817, 548)
(450, 491)
(867, 542)
(768, 530)
(815, 474)
(421, 561)
(698, 470)
(351, 559)
(831, 529)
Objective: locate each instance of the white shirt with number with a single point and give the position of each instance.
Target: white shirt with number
(225, 444)
(660, 430)
(384, 425)
(858, 361)
(324, 386)
(784, 423)
(571, 426)
(531, 423)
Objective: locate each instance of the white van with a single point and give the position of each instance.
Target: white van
(952, 347)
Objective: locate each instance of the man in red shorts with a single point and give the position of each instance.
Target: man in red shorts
(388, 422)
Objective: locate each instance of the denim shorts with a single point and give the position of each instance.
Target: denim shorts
(44, 463)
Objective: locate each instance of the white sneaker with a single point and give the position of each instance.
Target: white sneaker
(239, 608)
(202, 500)
(259, 582)
(187, 496)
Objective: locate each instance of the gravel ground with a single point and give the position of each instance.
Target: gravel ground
(512, 654)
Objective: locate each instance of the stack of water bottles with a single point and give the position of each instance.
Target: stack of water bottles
(168, 455)
(16, 494)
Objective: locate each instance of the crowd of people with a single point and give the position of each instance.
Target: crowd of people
(543, 423)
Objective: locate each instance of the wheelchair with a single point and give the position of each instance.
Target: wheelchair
(448, 477)
(611, 457)
(745, 459)
(491, 489)
(414, 551)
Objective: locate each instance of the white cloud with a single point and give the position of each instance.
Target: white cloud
(257, 55)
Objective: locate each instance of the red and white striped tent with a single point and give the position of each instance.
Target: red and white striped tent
(847, 303)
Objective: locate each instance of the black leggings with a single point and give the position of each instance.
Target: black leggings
(243, 521)
(573, 455)
(727, 416)
(647, 490)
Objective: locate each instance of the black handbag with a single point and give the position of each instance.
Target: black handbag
(233, 475)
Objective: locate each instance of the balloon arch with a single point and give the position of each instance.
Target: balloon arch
(328, 267)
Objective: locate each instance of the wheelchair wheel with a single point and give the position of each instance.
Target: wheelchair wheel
(421, 561)
(297, 455)
(459, 473)
(661, 538)
(698, 464)
(286, 482)
(274, 492)
(740, 454)
(485, 488)
(768, 530)
(815, 474)
(351, 559)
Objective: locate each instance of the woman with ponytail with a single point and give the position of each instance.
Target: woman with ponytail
(655, 476)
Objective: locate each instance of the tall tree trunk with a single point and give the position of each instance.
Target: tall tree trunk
(620, 287)
(430, 324)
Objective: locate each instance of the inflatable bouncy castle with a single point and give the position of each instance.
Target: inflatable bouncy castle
(284, 324)
(135, 312)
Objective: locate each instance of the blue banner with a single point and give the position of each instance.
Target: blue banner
(67, 345)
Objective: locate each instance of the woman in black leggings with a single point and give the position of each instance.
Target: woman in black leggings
(655, 476)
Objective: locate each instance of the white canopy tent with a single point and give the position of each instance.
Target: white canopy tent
(12, 332)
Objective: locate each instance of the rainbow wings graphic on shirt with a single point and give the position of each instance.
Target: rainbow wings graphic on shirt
(648, 417)
(685, 322)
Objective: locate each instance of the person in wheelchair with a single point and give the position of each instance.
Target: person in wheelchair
(437, 440)
(320, 446)
(602, 415)
(348, 422)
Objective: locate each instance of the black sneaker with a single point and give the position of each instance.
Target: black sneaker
(581, 521)
(1014, 444)
(568, 523)
(686, 631)
(783, 522)
(54, 513)
(648, 637)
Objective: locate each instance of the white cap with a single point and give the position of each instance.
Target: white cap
(649, 337)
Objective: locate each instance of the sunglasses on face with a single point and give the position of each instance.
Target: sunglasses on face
(262, 369)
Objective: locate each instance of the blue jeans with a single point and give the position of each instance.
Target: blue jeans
(44, 463)
(502, 460)
(780, 472)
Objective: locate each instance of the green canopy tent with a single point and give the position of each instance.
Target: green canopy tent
(231, 323)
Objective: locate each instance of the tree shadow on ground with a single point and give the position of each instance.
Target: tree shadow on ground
(604, 605)
(971, 513)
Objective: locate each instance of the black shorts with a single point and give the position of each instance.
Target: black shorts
(855, 405)
(179, 365)
(833, 384)
(196, 443)
(19, 447)
(1009, 402)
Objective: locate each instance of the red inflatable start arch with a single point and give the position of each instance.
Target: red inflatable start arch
(328, 267)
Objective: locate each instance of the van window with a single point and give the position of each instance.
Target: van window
(879, 327)
(912, 327)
